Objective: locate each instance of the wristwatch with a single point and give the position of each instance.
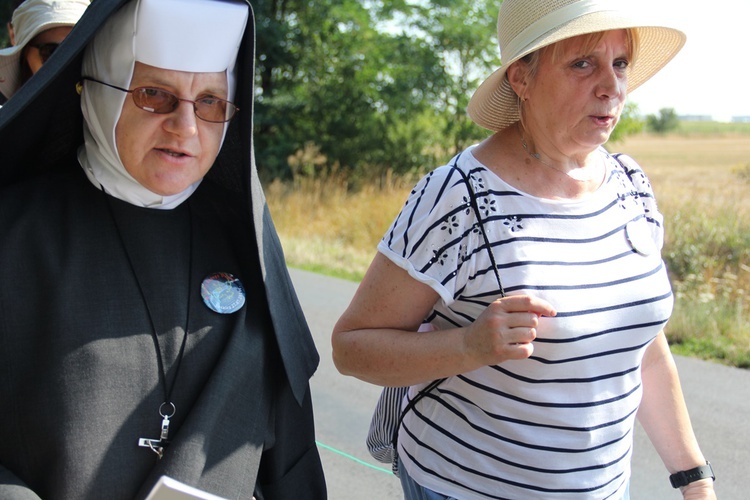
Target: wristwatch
(685, 477)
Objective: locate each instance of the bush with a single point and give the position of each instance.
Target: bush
(665, 122)
(706, 255)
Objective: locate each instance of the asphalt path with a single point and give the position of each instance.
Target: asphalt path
(718, 399)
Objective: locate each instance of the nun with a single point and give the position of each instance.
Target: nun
(148, 325)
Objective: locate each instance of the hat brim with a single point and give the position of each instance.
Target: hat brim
(494, 105)
(10, 70)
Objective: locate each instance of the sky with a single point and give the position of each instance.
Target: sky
(711, 75)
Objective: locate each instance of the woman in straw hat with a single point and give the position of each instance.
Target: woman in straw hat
(36, 29)
(150, 327)
(535, 259)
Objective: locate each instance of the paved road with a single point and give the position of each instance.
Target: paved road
(718, 399)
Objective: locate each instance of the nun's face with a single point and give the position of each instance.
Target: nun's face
(167, 153)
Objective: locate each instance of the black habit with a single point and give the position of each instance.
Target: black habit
(88, 279)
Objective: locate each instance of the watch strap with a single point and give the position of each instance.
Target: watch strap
(685, 477)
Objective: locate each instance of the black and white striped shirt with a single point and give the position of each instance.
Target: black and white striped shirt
(560, 424)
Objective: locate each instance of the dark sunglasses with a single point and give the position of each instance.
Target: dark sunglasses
(155, 100)
(45, 49)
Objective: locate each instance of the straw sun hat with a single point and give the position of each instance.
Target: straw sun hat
(524, 26)
(29, 19)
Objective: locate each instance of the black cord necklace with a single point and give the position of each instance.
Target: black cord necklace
(167, 408)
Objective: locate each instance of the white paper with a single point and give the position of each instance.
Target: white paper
(171, 489)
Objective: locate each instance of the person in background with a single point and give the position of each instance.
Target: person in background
(36, 30)
(151, 328)
(534, 257)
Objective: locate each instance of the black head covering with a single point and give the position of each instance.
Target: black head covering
(41, 128)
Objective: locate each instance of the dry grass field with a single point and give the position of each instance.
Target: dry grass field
(702, 182)
(702, 172)
(324, 227)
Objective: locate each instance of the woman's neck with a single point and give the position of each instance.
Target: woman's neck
(503, 153)
(581, 168)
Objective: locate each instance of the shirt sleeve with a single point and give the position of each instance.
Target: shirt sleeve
(436, 234)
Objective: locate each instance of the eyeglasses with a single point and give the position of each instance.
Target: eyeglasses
(45, 49)
(155, 100)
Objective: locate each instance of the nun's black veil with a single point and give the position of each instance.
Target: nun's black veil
(41, 130)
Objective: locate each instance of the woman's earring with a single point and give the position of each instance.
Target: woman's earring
(521, 101)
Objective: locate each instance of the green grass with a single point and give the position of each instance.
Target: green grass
(708, 255)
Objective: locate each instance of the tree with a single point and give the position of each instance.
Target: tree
(463, 34)
(629, 123)
(376, 85)
(327, 76)
(665, 122)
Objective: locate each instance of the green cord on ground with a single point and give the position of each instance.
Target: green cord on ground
(361, 462)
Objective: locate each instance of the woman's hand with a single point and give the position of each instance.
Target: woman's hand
(506, 329)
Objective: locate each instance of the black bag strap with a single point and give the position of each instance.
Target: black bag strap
(480, 222)
(432, 385)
